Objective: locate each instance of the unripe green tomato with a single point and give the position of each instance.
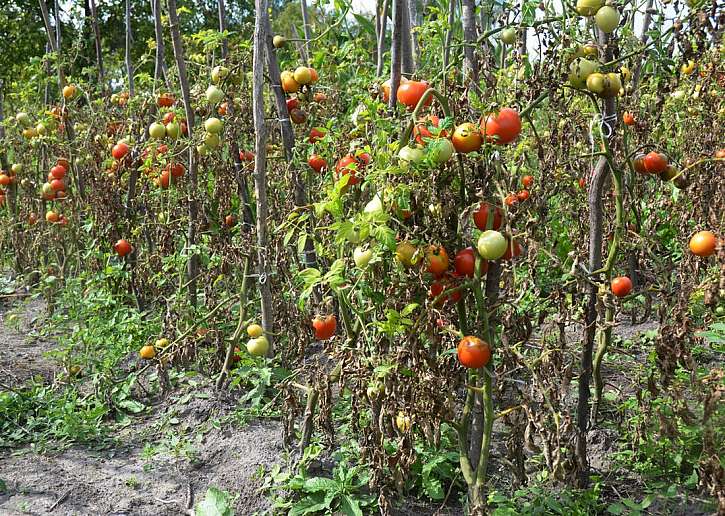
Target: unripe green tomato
(508, 35)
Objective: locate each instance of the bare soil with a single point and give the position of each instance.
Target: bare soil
(153, 465)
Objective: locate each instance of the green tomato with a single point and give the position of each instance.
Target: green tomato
(258, 347)
(214, 95)
(588, 7)
(579, 70)
(607, 19)
(441, 150)
(508, 35)
(411, 154)
(213, 125)
(362, 256)
(157, 130)
(491, 245)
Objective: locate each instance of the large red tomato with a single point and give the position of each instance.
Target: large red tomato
(480, 216)
(317, 162)
(503, 127)
(473, 352)
(410, 93)
(123, 248)
(655, 163)
(352, 164)
(465, 263)
(324, 327)
(621, 286)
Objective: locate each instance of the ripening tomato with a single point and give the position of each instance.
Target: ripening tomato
(655, 162)
(438, 287)
(52, 216)
(720, 154)
(621, 286)
(122, 248)
(62, 162)
(436, 259)
(480, 216)
(168, 118)
(628, 118)
(317, 163)
(166, 100)
(421, 131)
(503, 127)
(410, 93)
(511, 199)
(230, 221)
(638, 164)
(246, 155)
(467, 138)
(316, 134)
(703, 243)
(582, 183)
(527, 181)
(522, 195)
(473, 352)
(465, 263)
(119, 150)
(324, 327)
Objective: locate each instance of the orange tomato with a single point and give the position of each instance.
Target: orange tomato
(703, 243)
(473, 352)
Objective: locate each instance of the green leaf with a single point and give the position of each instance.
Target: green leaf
(317, 484)
(350, 507)
(308, 505)
(215, 503)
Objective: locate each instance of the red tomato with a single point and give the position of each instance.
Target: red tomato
(655, 163)
(410, 93)
(437, 259)
(246, 155)
(292, 103)
(513, 250)
(421, 131)
(317, 163)
(480, 216)
(165, 179)
(628, 118)
(438, 287)
(176, 169)
(511, 199)
(465, 263)
(352, 164)
(638, 164)
(58, 172)
(503, 127)
(122, 248)
(324, 327)
(527, 181)
(473, 352)
(166, 100)
(298, 116)
(316, 134)
(119, 150)
(621, 286)
(56, 184)
(522, 195)
(582, 183)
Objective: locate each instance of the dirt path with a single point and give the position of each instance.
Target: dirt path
(179, 445)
